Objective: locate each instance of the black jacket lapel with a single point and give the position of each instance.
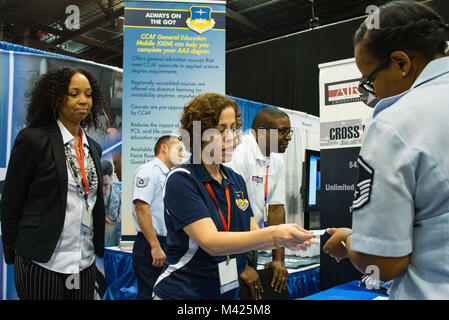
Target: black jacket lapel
(58, 152)
(96, 155)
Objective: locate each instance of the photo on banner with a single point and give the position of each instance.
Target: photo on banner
(173, 51)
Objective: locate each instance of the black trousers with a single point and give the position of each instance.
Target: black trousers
(142, 262)
(34, 282)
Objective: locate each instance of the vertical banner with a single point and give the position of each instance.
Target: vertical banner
(4, 130)
(173, 51)
(4, 93)
(343, 115)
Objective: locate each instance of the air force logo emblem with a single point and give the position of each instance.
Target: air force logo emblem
(240, 200)
(364, 183)
(200, 19)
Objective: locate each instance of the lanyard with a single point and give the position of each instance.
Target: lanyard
(266, 185)
(80, 157)
(228, 200)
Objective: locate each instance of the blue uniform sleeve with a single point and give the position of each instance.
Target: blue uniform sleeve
(183, 200)
(144, 184)
(383, 207)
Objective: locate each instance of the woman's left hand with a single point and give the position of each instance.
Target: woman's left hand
(334, 246)
(251, 278)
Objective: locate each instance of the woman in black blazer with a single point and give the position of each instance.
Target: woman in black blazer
(52, 203)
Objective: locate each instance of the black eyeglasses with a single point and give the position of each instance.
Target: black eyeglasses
(285, 132)
(366, 84)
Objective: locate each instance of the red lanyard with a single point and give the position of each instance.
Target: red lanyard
(80, 157)
(266, 185)
(228, 200)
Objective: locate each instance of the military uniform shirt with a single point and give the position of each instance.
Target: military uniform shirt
(401, 204)
(149, 180)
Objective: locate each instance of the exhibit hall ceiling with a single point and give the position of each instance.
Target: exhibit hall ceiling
(44, 24)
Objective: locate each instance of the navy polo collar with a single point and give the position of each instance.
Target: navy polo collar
(205, 176)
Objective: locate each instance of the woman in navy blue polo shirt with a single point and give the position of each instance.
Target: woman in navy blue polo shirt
(209, 219)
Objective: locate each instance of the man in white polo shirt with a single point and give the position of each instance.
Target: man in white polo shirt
(148, 214)
(257, 159)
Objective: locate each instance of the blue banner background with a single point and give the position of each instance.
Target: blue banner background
(164, 68)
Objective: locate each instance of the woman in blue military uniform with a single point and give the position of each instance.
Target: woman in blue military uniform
(210, 224)
(401, 204)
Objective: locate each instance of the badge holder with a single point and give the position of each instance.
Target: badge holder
(86, 218)
(227, 271)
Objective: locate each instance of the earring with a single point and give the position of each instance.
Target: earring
(404, 74)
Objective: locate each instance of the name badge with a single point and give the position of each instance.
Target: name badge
(86, 218)
(229, 279)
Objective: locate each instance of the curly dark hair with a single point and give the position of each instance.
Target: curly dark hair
(404, 25)
(207, 108)
(50, 92)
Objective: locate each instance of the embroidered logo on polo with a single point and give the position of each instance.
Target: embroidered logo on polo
(363, 187)
(142, 182)
(240, 200)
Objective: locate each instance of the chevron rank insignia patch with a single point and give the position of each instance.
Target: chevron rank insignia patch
(363, 187)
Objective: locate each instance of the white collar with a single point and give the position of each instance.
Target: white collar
(161, 165)
(255, 148)
(67, 137)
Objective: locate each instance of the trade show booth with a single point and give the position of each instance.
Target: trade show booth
(23, 65)
(169, 59)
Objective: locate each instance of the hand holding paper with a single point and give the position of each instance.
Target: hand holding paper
(292, 236)
(318, 233)
(335, 246)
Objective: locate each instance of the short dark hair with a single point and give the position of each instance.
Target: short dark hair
(51, 90)
(106, 167)
(266, 117)
(163, 140)
(404, 25)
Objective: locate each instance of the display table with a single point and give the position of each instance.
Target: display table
(347, 291)
(121, 281)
